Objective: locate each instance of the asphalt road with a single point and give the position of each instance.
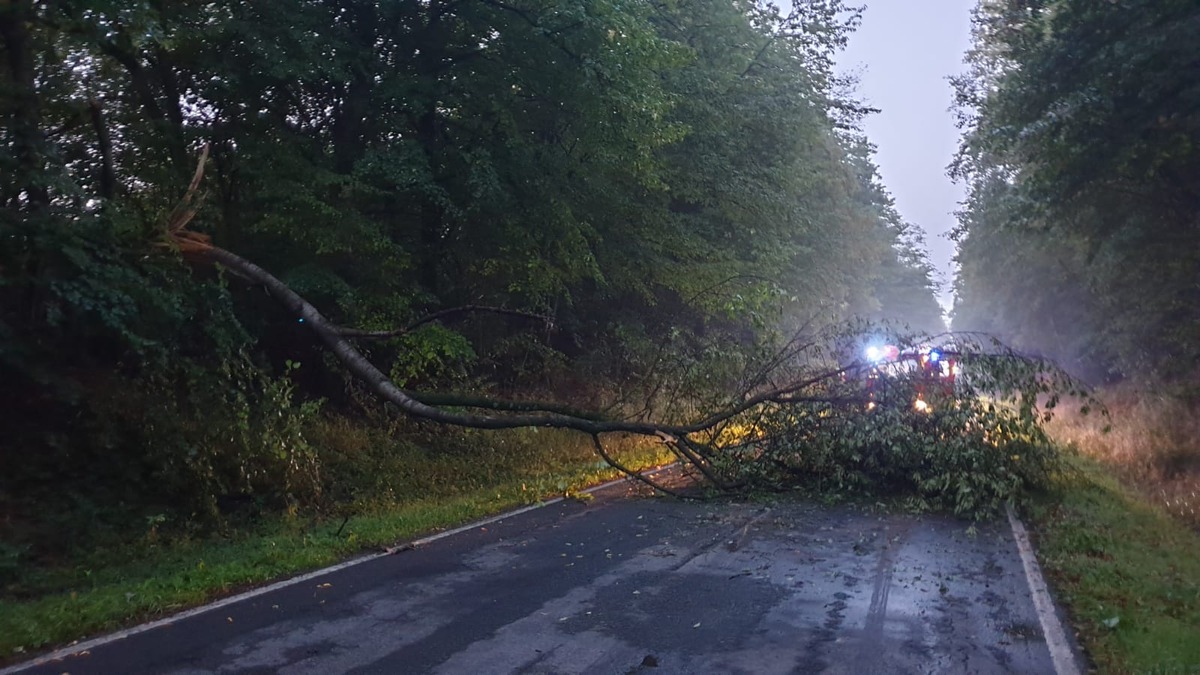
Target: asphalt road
(630, 584)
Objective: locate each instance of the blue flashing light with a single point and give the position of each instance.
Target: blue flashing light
(934, 355)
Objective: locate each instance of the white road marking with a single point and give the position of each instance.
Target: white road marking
(1056, 638)
(80, 647)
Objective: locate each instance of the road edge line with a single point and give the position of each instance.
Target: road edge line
(87, 645)
(1061, 652)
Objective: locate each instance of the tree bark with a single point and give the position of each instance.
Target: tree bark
(359, 366)
(426, 406)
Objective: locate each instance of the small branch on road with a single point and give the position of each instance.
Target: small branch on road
(630, 472)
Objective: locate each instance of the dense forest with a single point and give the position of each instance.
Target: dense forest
(587, 201)
(1081, 236)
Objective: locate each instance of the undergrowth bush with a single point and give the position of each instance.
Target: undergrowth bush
(384, 463)
(132, 399)
(1152, 441)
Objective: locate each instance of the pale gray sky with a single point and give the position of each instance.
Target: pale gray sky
(904, 51)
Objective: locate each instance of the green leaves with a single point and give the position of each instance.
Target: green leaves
(1079, 238)
(967, 444)
(431, 352)
(675, 184)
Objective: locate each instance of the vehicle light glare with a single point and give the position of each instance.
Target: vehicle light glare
(934, 355)
(874, 353)
(921, 405)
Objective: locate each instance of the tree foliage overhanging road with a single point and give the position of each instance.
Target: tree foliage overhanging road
(1081, 149)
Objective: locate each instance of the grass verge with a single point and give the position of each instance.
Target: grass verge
(153, 577)
(1128, 573)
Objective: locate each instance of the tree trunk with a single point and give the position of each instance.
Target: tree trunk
(108, 179)
(24, 108)
(432, 213)
(167, 117)
(348, 129)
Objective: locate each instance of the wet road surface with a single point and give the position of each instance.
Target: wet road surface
(630, 584)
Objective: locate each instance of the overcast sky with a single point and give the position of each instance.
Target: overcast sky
(904, 51)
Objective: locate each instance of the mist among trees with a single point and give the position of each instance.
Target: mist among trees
(605, 203)
(1080, 237)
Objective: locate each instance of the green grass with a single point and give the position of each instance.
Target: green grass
(154, 576)
(1127, 572)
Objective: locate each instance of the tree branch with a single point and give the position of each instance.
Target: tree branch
(426, 406)
(381, 384)
(629, 472)
(462, 401)
(438, 316)
(151, 104)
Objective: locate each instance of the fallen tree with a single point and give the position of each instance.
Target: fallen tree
(794, 416)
